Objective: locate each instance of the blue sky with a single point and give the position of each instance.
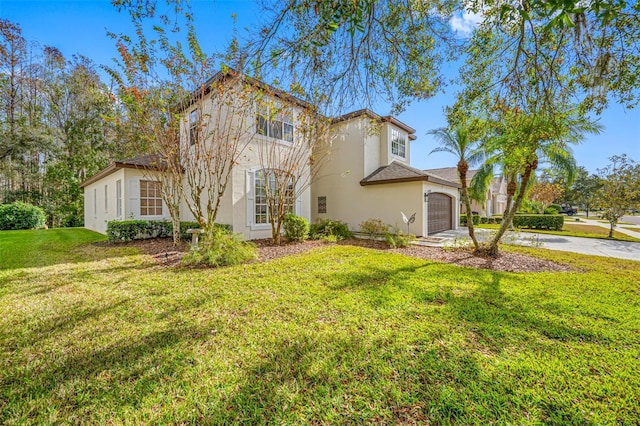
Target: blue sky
(80, 26)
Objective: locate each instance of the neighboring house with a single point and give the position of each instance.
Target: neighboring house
(495, 200)
(368, 176)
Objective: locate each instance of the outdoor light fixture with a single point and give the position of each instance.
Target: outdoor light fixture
(426, 195)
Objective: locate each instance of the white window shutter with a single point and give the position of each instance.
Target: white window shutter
(249, 190)
(133, 209)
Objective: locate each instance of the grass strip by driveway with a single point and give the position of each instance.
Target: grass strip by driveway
(336, 335)
(574, 230)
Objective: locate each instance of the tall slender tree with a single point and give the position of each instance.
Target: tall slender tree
(459, 143)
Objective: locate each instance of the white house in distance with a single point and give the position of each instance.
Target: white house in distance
(495, 201)
(366, 175)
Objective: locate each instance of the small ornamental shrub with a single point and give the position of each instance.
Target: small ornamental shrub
(374, 227)
(328, 227)
(553, 209)
(220, 247)
(539, 221)
(19, 215)
(463, 219)
(296, 228)
(396, 238)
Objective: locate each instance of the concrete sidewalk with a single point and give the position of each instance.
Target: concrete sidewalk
(593, 246)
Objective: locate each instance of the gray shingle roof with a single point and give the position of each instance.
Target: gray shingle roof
(397, 172)
(450, 173)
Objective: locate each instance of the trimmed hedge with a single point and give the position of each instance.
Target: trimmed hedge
(19, 215)
(480, 219)
(127, 230)
(463, 219)
(539, 221)
(491, 220)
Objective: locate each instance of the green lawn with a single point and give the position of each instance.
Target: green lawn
(337, 335)
(575, 230)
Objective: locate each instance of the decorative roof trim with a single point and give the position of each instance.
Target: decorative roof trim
(114, 167)
(388, 119)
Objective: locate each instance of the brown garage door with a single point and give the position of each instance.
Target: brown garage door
(439, 212)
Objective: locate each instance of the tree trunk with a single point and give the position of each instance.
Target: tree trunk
(462, 173)
(611, 229)
(511, 211)
(175, 220)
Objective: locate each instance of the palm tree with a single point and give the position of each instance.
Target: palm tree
(459, 143)
(527, 140)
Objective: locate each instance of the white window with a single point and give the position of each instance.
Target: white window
(193, 126)
(95, 202)
(398, 144)
(267, 184)
(106, 199)
(275, 122)
(150, 198)
(119, 198)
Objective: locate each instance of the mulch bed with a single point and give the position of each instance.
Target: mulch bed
(165, 254)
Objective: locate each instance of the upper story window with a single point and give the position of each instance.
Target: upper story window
(150, 198)
(398, 144)
(275, 122)
(193, 127)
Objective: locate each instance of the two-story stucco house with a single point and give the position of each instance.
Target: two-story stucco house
(366, 175)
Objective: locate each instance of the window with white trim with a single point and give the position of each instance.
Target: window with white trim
(398, 144)
(266, 185)
(275, 122)
(119, 198)
(193, 126)
(106, 199)
(150, 198)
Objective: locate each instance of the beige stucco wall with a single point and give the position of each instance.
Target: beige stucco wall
(96, 214)
(356, 153)
(236, 207)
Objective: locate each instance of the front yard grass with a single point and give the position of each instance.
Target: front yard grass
(573, 230)
(337, 335)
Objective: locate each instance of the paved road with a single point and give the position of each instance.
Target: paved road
(631, 219)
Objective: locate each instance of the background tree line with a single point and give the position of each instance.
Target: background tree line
(56, 126)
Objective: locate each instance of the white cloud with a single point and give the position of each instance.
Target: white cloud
(464, 23)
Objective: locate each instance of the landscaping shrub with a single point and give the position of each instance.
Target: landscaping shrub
(374, 227)
(539, 221)
(327, 228)
(221, 248)
(19, 215)
(553, 209)
(398, 238)
(127, 230)
(492, 220)
(296, 228)
(463, 219)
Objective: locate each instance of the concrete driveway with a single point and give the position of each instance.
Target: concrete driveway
(593, 246)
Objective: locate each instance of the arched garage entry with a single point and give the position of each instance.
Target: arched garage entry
(440, 212)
